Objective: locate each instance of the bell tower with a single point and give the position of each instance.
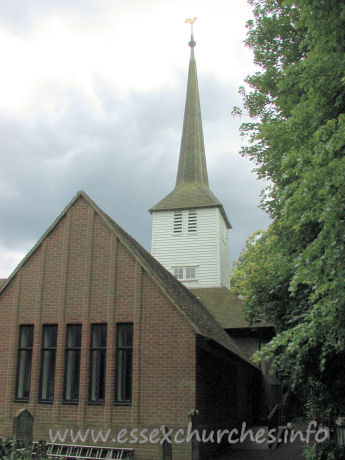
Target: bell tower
(190, 226)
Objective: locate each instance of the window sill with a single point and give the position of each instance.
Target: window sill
(125, 403)
(70, 403)
(95, 403)
(26, 401)
(45, 402)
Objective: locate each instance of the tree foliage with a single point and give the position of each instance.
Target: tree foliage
(293, 274)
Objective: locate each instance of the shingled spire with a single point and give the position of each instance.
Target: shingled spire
(191, 189)
(192, 163)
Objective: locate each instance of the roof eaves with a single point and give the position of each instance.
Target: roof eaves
(128, 242)
(178, 208)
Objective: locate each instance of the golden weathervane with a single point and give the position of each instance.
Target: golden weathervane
(191, 22)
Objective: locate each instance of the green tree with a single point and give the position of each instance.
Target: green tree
(293, 275)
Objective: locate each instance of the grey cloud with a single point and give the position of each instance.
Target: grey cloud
(125, 158)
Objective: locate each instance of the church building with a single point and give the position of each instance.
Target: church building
(98, 334)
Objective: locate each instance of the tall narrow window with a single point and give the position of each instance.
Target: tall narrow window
(97, 362)
(177, 221)
(26, 335)
(72, 363)
(124, 361)
(192, 221)
(48, 358)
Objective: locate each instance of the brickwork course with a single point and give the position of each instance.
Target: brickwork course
(85, 270)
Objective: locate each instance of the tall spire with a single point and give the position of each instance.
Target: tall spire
(191, 190)
(192, 162)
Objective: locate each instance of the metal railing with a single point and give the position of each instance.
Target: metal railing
(80, 452)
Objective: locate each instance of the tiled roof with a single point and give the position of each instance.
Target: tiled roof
(190, 195)
(226, 307)
(199, 318)
(187, 195)
(194, 311)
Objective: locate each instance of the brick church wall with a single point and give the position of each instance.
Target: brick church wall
(82, 273)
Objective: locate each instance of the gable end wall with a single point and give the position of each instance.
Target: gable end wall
(81, 273)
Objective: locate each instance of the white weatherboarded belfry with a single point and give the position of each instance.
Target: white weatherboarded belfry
(190, 226)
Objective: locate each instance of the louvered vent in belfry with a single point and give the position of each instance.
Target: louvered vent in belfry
(177, 221)
(192, 221)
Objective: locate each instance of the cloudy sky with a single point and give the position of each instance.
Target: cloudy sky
(92, 98)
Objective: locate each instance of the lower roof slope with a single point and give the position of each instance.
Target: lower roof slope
(198, 316)
(226, 307)
(202, 321)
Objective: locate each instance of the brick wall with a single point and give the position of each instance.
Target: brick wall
(81, 273)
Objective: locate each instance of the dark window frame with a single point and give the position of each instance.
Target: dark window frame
(128, 351)
(100, 350)
(53, 350)
(72, 349)
(19, 361)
